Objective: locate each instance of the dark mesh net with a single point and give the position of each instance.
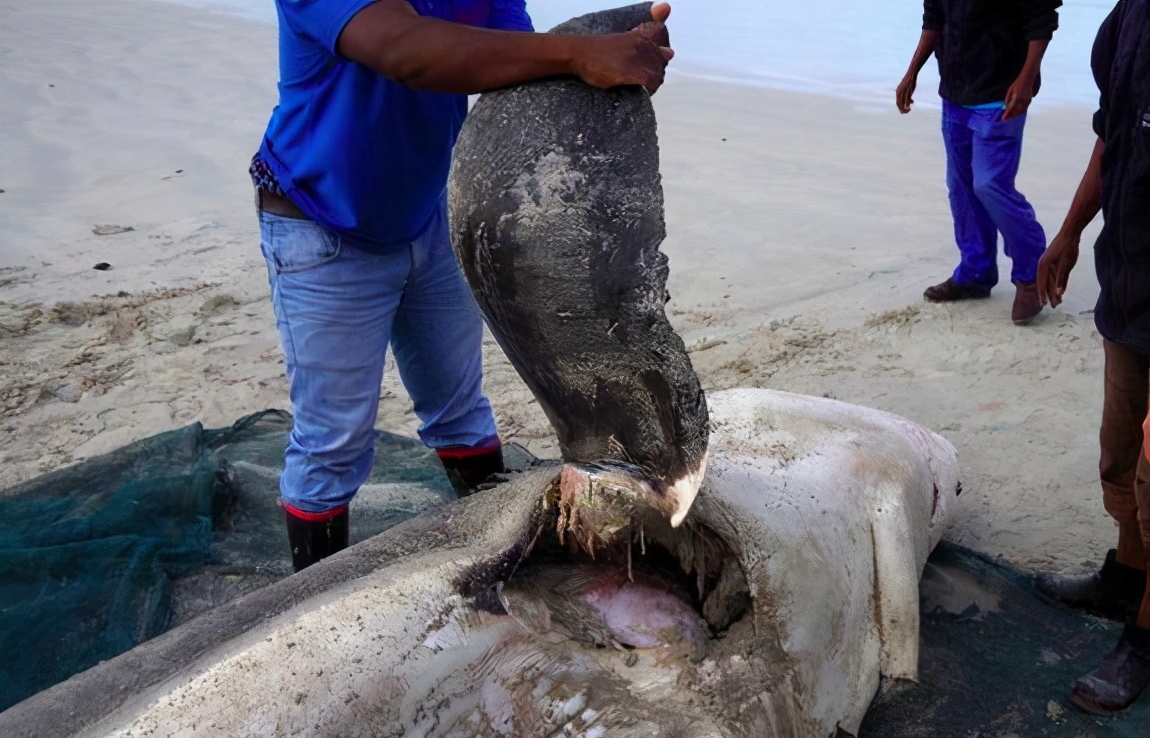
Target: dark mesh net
(103, 555)
(86, 554)
(998, 660)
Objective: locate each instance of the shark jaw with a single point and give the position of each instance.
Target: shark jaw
(607, 490)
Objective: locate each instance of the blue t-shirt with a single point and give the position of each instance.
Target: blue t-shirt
(357, 152)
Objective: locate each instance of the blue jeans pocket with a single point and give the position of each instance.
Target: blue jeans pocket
(291, 245)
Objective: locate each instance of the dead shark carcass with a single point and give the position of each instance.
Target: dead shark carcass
(557, 217)
(772, 610)
(571, 600)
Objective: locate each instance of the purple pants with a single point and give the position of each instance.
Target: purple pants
(982, 155)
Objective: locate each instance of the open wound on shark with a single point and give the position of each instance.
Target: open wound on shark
(608, 570)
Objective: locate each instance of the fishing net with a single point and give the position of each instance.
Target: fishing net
(998, 660)
(100, 556)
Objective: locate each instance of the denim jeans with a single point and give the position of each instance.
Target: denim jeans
(338, 308)
(982, 156)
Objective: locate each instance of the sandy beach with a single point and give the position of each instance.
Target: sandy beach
(802, 232)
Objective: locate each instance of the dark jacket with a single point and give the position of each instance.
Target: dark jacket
(982, 44)
(1121, 64)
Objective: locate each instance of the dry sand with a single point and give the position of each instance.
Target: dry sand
(802, 232)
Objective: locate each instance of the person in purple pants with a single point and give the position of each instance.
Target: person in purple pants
(989, 54)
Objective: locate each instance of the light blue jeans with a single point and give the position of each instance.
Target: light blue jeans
(337, 308)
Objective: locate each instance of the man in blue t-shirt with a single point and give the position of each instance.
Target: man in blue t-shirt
(989, 53)
(350, 187)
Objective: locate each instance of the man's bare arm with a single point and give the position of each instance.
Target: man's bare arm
(391, 38)
(1056, 264)
(904, 94)
(1088, 198)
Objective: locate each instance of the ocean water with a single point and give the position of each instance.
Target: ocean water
(852, 49)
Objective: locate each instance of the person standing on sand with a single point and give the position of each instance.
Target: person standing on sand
(1117, 182)
(989, 54)
(350, 187)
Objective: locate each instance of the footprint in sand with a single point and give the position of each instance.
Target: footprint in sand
(110, 230)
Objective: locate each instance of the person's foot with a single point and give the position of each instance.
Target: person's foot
(468, 468)
(949, 291)
(1121, 678)
(1114, 592)
(1026, 303)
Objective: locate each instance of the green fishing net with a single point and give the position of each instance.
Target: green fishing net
(103, 555)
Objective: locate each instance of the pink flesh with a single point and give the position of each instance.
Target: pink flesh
(643, 616)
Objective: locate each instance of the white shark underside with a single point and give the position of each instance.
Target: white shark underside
(811, 530)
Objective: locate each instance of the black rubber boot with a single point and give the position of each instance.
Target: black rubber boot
(1114, 592)
(468, 468)
(1121, 678)
(314, 537)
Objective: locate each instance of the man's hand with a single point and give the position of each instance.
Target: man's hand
(904, 93)
(638, 57)
(635, 58)
(1055, 265)
(1018, 97)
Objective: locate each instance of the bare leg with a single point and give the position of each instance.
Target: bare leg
(1131, 551)
(1120, 438)
(1142, 495)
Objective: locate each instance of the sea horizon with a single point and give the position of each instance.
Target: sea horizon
(857, 52)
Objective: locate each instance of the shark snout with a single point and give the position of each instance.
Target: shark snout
(602, 486)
